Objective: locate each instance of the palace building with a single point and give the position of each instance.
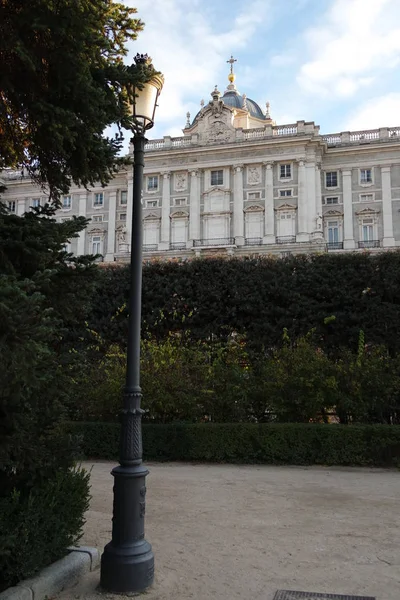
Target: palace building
(236, 183)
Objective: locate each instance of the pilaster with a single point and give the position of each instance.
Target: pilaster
(388, 238)
(302, 235)
(165, 212)
(269, 213)
(238, 205)
(348, 240)
(112, 205)
(194, 215)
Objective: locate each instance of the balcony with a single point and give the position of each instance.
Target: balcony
(286, 239)
(177, 246)
(215, 242)
(369, 244)
(253, 241)
(334, 246)
(150, 247)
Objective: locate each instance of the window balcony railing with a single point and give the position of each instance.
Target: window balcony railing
(177, 246)
(334, 246)
(286, 239)
(215, 242)
(369, 244)
(253, 241)
(150, 247)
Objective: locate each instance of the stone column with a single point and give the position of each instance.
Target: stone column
(165, 212)
(269, 213)
(388, 238)
(112, 205)
(316, 222)
(194, 216)
(81, 247)
(20, 208)
(311, 198)
(348, 238)
(302, 235)
(238, 205)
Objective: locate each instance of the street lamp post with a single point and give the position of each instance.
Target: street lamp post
(127, 563)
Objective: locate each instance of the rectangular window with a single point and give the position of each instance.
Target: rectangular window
(217, 177)
(98, 199)
(331, 179)
(367, 230)
(65, 219)
(151, 203)
(253, 195)
(122, 216)
(11, 206)
(330, 200)
(365, 176)
(180, 201)
(66, 202)
(124, 198)
(152, 183)
(97, 218)
(35, 202)
(366, 197)
(286, 171)
(333, 232)
(96, 244)
(285, 193)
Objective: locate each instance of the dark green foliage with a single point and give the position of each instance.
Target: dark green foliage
(37, 528)
(40, 322)
(259, 297)
(63, 82)
(289, 443)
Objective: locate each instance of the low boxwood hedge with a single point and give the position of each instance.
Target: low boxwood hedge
(286, 443)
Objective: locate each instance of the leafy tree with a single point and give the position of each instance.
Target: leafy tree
(62, 83)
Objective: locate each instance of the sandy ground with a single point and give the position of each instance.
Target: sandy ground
(226, 532)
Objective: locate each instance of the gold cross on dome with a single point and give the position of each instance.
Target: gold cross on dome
(231, 61)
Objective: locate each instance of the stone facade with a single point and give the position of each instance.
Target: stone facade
(236, 183)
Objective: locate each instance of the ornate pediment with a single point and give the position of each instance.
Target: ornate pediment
(286, 206)
(151, 217)
(216, 191)
(254, 208)
(333, 213)
(215, 123)
(179, 214)
(367, 212)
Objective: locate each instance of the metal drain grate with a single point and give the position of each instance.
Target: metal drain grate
(288, 595)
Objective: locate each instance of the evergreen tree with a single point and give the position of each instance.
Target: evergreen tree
(63, 82)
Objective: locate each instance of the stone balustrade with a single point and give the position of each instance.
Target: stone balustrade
(295, 129)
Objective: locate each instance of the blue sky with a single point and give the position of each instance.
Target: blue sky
(335, 62)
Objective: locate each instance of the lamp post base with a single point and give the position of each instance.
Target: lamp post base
(127, 563)
(124, 571)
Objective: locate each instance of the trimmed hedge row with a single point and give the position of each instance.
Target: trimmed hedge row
(286, 443)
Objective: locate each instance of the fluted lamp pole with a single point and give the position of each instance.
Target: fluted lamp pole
(127, 563)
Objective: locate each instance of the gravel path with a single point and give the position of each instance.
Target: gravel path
(226, 532)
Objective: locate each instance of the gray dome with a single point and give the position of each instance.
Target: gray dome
(233, 99)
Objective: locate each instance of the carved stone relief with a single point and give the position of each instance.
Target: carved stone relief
(253, 175)
(180, 181)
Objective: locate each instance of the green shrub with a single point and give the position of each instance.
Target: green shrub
(258, 297)
(276, 443)
(36, 529)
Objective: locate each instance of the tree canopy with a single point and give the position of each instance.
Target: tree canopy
(62, 83)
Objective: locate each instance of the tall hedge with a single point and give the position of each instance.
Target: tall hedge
(258, 297)
(286, 443)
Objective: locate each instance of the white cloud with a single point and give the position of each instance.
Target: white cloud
(191, 48)
(354, 42)
(383, 111)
